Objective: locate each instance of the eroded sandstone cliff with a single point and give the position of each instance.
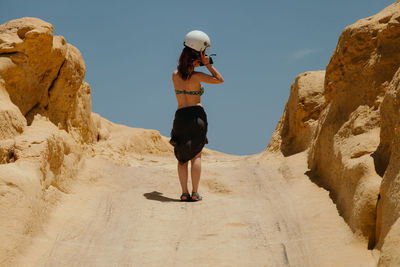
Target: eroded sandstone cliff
(351, 133)
(47, 127)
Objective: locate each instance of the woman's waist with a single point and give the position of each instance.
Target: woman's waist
(189, 112)
(189, 106)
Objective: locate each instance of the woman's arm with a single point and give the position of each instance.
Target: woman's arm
(216, 76)
(205, 78)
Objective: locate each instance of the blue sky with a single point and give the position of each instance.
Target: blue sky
(131, 48)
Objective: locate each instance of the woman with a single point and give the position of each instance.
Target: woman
(188, 135)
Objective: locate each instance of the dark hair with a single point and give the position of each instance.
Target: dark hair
(185, 66)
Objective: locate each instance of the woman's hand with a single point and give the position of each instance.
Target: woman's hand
(202, 77)
(204, 59)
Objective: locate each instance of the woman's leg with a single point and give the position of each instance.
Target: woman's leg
(196, 171)
(183, 176)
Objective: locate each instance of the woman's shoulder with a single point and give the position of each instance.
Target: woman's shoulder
(197, 74)
(175, 75)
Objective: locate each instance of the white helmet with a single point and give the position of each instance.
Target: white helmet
(197, 40)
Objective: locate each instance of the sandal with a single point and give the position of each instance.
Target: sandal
(185, 197)
(196, 196)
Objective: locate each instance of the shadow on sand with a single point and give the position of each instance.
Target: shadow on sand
(158, 196)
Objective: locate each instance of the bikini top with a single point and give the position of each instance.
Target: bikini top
(200, 92)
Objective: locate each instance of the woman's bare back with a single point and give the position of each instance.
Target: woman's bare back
(189, 85)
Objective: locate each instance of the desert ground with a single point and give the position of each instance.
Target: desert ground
(259, 210)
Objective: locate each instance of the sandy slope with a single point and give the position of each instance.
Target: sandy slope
(256, 210)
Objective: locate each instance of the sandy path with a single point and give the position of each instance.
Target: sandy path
(255, 212)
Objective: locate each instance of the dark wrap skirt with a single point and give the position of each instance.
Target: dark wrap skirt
(189, 132)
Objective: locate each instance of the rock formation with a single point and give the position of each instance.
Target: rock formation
(43, 75)
(297, 126)
(47, 127)
(388, 158)
(352, 134)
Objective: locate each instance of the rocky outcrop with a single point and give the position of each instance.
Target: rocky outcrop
(12, 122)
(116, 141)
(44, 115)
(388, 158)
(37, 168)
(353, 150)
(298, 123)
(43, 74)
(47, 128)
